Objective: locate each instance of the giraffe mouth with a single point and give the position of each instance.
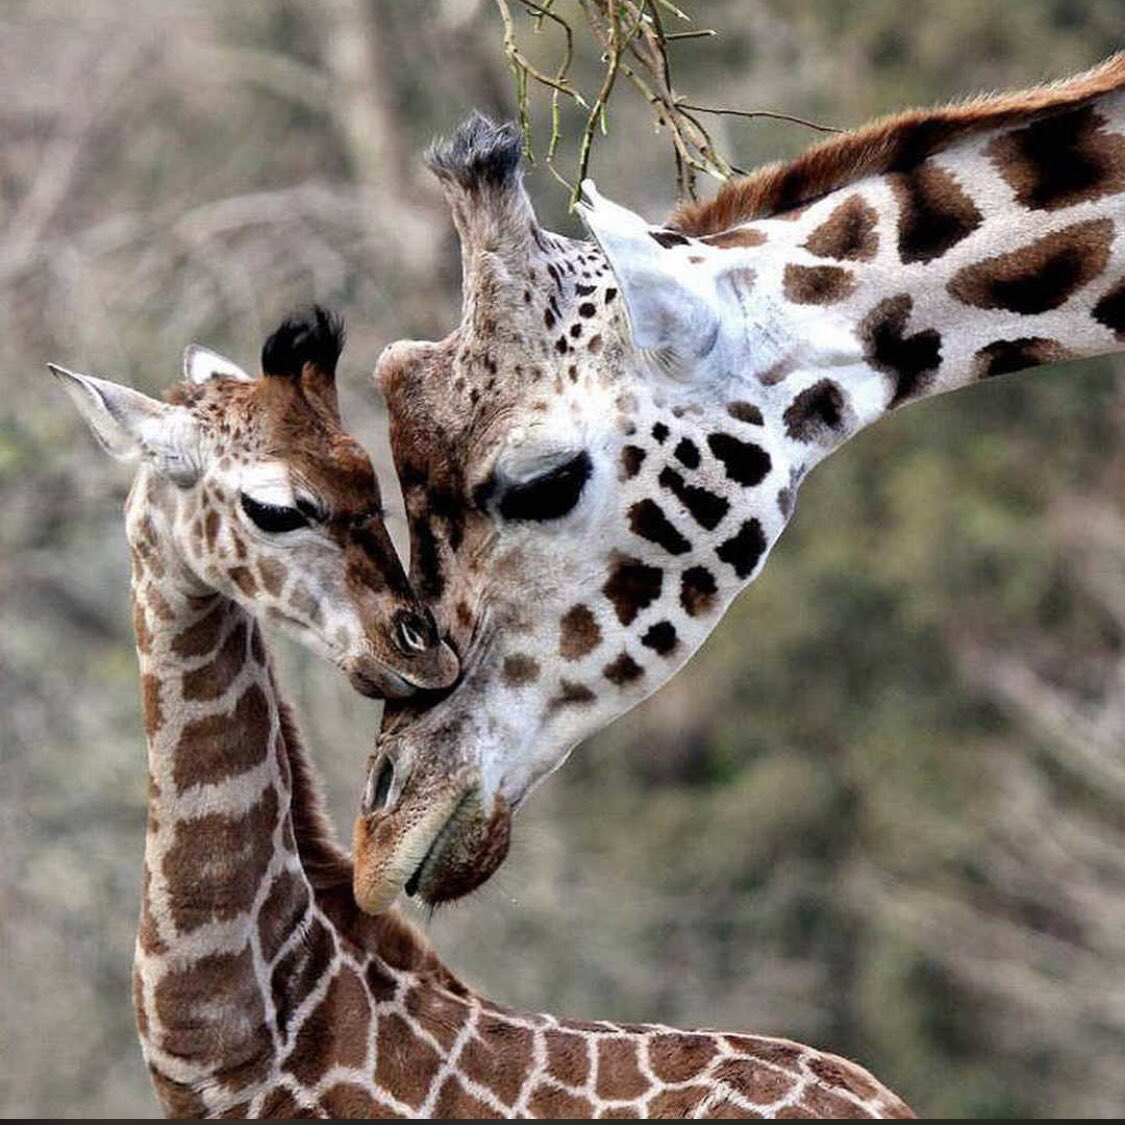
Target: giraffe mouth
(380, 684)
(459, 850)
(470, 846)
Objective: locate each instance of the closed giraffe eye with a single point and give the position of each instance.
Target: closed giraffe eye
(273, 517)
(548, 496)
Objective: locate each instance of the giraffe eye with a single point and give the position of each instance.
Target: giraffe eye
(548, 496)
(273, 517)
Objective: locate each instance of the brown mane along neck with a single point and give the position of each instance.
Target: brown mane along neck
(894, 143)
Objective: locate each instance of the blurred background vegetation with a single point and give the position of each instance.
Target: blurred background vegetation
(883, 811)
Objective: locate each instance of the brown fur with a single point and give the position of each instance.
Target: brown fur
(895, 143)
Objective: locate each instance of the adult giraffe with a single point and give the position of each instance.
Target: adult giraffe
(603, 453)
(260, 989)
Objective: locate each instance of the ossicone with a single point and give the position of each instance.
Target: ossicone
(480, 153)
(314, 336)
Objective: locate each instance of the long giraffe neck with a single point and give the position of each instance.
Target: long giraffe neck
(223, 883)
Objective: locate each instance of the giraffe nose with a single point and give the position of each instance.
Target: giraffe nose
(380, 782)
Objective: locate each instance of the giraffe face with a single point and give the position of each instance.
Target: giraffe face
(575, 529)
(269, 502)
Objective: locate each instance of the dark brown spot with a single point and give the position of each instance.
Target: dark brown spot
(281, 913)
(594, 345)
(1061, 160)
(817, 285)
(499, 1057)
(217, 747)
(201, 637)
(520, 669)
(755, 1081)
(660, 432)
(687, 453)
(1040, 276)
(298, 973)
(216, 863)
(335, 1033)
(848, 234)
(1110, 310)
(571, 694)
(273, 573)
(243, 578)
(743, 550)
(623, 669)
(619, 1073)
(934, 213)
(647, 519)
(676, 1058)
(697, 590)
(632, 457)
(911, 361)
(745, 412)
(150, 705)
(817, 413)
(706, 508)
(745, 463)
(579, 633)
(1007, 356)
(439, 1013)
(212, 679)
(661, 638)
(667, 238)
(631, 587)
(211, 1011)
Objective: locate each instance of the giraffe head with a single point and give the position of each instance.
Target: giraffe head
(541, 448)
(604, 452)
(251, 488)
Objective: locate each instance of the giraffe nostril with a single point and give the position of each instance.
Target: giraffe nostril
(379, 786)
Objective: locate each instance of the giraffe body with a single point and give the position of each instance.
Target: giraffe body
(604, 452)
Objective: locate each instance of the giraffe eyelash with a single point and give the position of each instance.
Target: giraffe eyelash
(275, 518)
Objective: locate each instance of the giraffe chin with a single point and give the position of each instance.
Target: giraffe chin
(445, 852)
(377, 682)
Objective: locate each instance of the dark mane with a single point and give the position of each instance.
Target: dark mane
(313, 336)
(890, 144)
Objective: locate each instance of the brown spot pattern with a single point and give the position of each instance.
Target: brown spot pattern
(1040, 276)
(216, 863)
(631, 587)
(1062, 160)
(579, 633)
(217, 747)
(520, 669)
(817, 285)
(622, 670)
(911, 361)
(934, 213)
(1007, 356)
(848, 234)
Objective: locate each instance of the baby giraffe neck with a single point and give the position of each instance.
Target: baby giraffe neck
(221, 861)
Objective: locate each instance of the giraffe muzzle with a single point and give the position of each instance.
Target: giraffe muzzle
(437, 842)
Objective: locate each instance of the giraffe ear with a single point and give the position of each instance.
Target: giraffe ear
(201, 364)
(131, 426)
(672, 311)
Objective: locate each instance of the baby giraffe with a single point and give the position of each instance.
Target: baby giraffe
(260, 990)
